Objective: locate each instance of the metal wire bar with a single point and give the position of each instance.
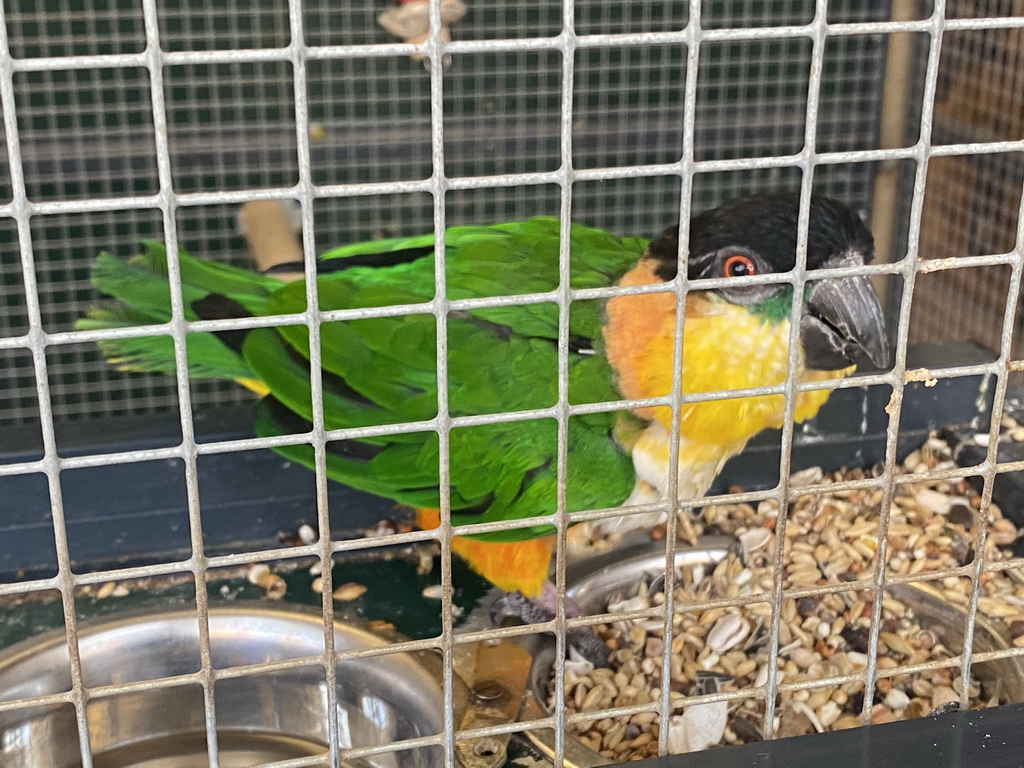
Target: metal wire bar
(250, 443)
(895, 404)
(414, 537)
(36, 64)
(429, 644)
(566, 43)
(686, 173)
(989, 473)
(64, 580)
(417, 537)
(496, 181)
(319, 440)
(178, 333)
(435, 50)
(803, 227)
(562, 410)
(264, 321)
(330, 191)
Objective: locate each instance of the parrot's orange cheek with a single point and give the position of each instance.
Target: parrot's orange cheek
(638, 337)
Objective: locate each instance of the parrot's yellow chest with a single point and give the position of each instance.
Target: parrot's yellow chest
(725, 347)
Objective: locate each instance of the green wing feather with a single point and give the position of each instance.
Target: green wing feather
(383, 370)
(141, 289)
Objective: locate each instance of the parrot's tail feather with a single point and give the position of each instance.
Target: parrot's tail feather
(141, 295)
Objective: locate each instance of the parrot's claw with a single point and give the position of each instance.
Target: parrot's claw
(589, 644)
(516, 608)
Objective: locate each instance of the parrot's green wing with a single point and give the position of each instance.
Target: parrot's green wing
(142, 292)
(383, 370)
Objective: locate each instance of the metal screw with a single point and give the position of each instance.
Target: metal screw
(489, 690)
(487, 748)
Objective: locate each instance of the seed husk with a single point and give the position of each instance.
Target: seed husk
(349, 591)
(830, 538)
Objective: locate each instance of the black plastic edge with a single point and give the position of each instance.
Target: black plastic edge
(135, 513)
(979, 737)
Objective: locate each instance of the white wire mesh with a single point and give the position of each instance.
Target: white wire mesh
(624, 132)
(230, 126)
(970, 202)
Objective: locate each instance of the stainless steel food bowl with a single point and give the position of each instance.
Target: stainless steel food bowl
(260, 717)
(590, 582)
(1003, 677)
(593, 580)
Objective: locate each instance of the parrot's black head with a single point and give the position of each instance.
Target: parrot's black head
(842, 319)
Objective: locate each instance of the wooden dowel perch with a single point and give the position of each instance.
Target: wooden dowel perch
(268, 230)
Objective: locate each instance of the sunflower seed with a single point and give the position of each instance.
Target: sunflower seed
(349, 591)
(829, 538)
(728, 631)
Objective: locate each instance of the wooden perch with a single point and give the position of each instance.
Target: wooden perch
(271, 238)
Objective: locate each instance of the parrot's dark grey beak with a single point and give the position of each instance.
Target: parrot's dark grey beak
(842, 321)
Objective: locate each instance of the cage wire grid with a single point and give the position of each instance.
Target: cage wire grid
(956, 220)
(168, 203)
(78, 374)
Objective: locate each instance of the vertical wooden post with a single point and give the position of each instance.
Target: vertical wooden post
(892, 133)
(271, 238)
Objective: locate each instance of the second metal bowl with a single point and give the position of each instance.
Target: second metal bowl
(593, 580)
(261, 717)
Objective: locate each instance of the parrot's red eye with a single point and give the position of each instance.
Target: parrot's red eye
(738, 265)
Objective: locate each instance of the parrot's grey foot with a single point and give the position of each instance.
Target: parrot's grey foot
(516, 608)
(589, 644)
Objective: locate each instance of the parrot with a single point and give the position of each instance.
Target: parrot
(383, 370)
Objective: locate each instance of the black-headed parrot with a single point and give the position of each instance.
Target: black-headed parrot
(383, 370)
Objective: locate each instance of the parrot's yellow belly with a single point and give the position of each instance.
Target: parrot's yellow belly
(725, 347)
